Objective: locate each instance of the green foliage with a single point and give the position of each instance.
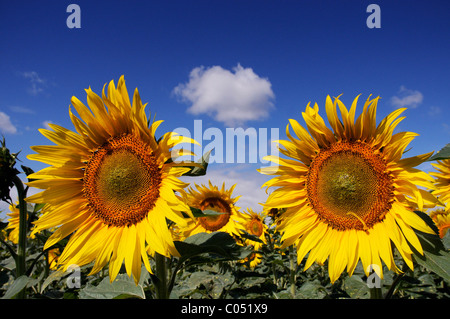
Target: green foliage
(200, 169)
(215, 266)
(444, 153)
(211, 267)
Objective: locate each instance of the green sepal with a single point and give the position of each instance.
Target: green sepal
(443, 154)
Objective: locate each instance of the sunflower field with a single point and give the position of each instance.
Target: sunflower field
(348, 216)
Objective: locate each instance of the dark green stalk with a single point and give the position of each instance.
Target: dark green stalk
(396, 282)
(292, 270)
(375, 293)
(161, 274)
(22, 244)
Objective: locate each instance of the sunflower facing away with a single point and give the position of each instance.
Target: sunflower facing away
(219, 200)
(110, 184)
(348, 193)
(442, 181)
(13, 223)
(441, 217)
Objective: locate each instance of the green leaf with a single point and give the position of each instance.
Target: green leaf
(200, 171)
(122, 287)
(444, 153)
(16, 287)
(27, 170)
(216, 245)
(310, 290)
(38, 207)
(439, 264)
(435, 257)
(246, 235)
(56, 275)
(196, 212)
(356, 288)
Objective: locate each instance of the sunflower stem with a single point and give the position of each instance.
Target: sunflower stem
(22, 244)
(375, 293)
(272, 248)
(292, 270)
(161, 274)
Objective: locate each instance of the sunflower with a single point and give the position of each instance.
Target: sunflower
(110, 185)
(253, 260)
(13, 224)
(53, 256)
(441, 219)
(212, 198)
(348, 193)
(254, 225)
(442, 181)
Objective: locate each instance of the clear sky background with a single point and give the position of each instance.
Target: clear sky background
(250, 64)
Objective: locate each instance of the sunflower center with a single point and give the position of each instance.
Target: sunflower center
(349, 186)
(121, 181)
(215, 222)
(255, 227)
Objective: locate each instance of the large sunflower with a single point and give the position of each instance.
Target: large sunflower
(348, 193)
(212, 198)
(110, 184)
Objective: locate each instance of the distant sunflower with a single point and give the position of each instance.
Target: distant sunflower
(53, 255)
(13, 223)
(212, 198)
(253, 260)
(442, 182)
(110, 185)
(441, 219)
(254, 225)
(348, 194)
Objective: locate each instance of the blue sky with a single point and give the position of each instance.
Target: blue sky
(266, 58)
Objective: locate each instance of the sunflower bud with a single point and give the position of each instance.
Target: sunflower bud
(7, 171)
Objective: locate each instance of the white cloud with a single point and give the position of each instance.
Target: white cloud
(46, 124)
(37, 83)
(434, 111)
(21, 109)
(407, 97)
(229, 97)
(248, 183)
(5, 124)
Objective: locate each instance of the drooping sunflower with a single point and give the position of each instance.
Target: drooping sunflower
(212, 198)
(110, 185)
(348, 193)
(442, 181)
